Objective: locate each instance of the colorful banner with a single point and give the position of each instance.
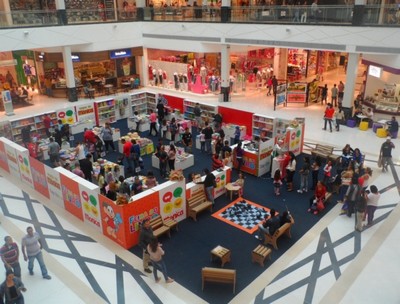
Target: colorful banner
(3, 157)
(296, 92)
(67, 115)
(85, 113)
(11, 157)
(89, 194)
(39, 177)
(281, 94)
(70, 193)
(172, 198)
(221, 180)
(24, 165)
(54, 186)
(265, 151)
(112, 222)
(295, 136)
(250, 162)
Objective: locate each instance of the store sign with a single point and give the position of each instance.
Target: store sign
(75, 58)
(375, 71)
(120, 54)
(11, 62)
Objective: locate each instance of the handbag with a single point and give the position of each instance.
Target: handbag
(380, 161)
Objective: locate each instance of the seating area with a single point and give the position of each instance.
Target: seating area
(283, 230)
(260, 254)
(218, 275)
(198, 203)
(159, 227)
(324, 152)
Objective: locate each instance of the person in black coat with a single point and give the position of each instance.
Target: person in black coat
(209, 184)
(87, 167)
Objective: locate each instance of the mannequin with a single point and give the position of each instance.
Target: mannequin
(164, 76)
(203, 74)
(231, 83)
(155, 79)
(191, 73)
(180, 81)
(160, 77)
(176, 81)
(185, 82)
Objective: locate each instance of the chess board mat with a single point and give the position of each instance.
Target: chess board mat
(246, 221)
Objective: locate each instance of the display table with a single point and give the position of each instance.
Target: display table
(146, 145)
(181, 162)
(221, 253)
(230, 188)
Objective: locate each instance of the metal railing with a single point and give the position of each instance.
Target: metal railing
(371, 15)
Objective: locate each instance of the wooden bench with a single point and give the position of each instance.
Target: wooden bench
(260, 253)
(197, 203)
(283, 230)
(325, 152)
(218, 275)
(158, 227)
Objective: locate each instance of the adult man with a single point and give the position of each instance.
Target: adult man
(47, 124)
(87, 167)
(314, 11)
(136, 119)
(270, 225)
(54, 152)
(225, 149)
(146, 235)
(26, 135)
(89, 137)
(197, 116)
(393, 127)
(340, 92)
(134, 155)
(32, 249)
(160, 108)
(187, 140)
(10, 256)
(386, 153)
(274, 84)
(209, 183)
(329, 112)
(217, 120)
(351, 195)
(334, 95)
(126, 151)
(324, 94)
(208, 132)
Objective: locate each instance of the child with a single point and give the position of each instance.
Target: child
(202, 142)
(240, 182)
(181, 132)
(164, 128)
(327, 172)
(277, 182)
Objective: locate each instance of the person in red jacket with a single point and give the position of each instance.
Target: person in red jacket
(89, 136)
(319, 196)
(216, 162)
(126, 150)
(328, 117)
(47, 124)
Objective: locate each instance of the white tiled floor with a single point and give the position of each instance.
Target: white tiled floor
(369, 278)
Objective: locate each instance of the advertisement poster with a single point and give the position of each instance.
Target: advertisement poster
(89, 194)
(24, 165)
(112, 223)
(172, 198)
(70, 193)
(264, 162)
(294, 136)
(85, 113)
(11, 157)
(296, 92)
(67, 115)
(54, 185)
(221, 180)
(3, 157)
(281, 94)
(39, 177)
(250, 163)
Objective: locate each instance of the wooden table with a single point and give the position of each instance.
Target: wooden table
(230, 188)
(91, 92)
(221, 253)
(108, 88)
(126, 85)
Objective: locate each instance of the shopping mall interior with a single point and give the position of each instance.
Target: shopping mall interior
(331, 263)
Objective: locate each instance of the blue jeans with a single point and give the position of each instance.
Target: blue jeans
(160, 265)
(208, 146)
(303, 182)
(16, 268)
(39, 257)
(210, 194)
(262, 231)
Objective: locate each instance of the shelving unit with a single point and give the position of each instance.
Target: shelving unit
(263, 126)
(139, 103)
(41, 130)
(105, 111)
(207, 111)
(5, 130)
(151, 99)
(17, 125)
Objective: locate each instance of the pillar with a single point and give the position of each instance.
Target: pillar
(351, 77)
(225, 69)
(69, 74)
(144, 71)
(358, 13)
(225, 11)
(140, 5)
(280, 63)
(61, 12)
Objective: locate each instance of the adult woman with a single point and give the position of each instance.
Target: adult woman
(239, 155)
(216, 162)
(339, 117)
(218, 146)
(112, 191)
(163, 158)
(372, 203)
(327, 172)
(173, 128)
(150, 180)
(101, 181)
(304, 173)
(155, 251)
(319, 196)
(358, 159)
(290, 170)
(364, 179)
(107, 135)
(347, 155)
(171, 157)
(80, 152)
(10, 289)
(316, 165)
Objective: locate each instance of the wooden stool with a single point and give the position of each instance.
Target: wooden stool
(171, 224)
(260, 253)
(381, 132)
(221, 253)
(363, 126)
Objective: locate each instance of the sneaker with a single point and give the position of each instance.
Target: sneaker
(31, 272)
(169, 280)
(148, 270)
(315, 212)
(309, 210)
(257, 237)
(47, 277)
(300, 191)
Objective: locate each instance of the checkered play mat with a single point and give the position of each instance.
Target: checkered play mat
(242, 214)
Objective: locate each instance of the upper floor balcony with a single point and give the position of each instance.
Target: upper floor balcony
(335, 15)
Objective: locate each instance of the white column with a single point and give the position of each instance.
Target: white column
(225, 2)
(225, 65)
(280, 63)
(351, 77)
(140, 3)
(68, 67)
(144, 72)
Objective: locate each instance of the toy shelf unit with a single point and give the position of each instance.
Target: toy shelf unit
(263, 127)
(151, 99)
(17, 125)
(105, 111)
(139, 103)
(40, 128)
(207, 111)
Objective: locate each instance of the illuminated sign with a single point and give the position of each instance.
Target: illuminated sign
(120, 54)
